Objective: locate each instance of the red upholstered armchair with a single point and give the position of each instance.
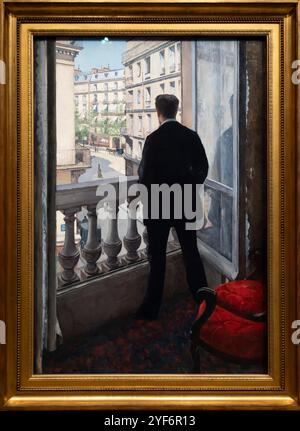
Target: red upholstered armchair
(231, 336)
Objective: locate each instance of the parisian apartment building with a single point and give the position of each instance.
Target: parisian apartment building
(151, 68)
(101, 91)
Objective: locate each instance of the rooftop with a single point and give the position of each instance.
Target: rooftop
(99, 75)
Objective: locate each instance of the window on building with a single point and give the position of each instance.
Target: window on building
(130, 125)
(149, 123)
(140, 123)
(171, 52)
(162, 88)
(116, 85)
(162, 62)
(96, 76)
(116, 73)
(172, 87)
(138, 69)
(129, 75)
(95, 97)
(76, 100)
(95, 87)
(178, 55)
(106, 86)
(129, 99)
(140, 147)
(138, 97)
(115, 97)
(147, 67)
(148, 97)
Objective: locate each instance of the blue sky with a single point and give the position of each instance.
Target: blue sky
(100, 52)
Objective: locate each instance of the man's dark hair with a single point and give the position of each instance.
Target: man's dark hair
(167, 105)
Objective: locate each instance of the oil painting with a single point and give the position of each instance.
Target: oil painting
(96, 104)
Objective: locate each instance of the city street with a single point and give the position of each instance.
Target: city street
(111, 166)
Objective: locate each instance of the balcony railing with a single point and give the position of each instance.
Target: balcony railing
(98, 256)
(112, 113)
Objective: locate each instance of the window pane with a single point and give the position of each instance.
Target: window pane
(216, 106)
(217, 229)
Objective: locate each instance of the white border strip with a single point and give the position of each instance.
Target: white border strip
(2, 72)
(2, 332)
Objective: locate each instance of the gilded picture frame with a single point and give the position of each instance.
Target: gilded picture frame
(278, 23)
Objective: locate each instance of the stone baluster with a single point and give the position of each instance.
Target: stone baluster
(112, 244)
(69, 255)
(175, 237)
(145, 238)
(92, 249)
(132, 240)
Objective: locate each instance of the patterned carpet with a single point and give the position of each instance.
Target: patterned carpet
(130, 346)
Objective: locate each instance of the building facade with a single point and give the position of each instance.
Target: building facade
(71, 159)
(100, 94)
(151, 68)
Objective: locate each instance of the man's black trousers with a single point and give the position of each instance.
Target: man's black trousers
(158, 233)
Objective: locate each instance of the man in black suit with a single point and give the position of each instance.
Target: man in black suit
(172, 154)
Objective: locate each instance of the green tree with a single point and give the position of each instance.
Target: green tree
(84, 125)
(112, 127)
(81, 127)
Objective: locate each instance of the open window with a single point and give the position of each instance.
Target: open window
(226, 101)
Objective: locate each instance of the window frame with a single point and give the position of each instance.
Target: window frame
(162, 59)
(172, 53)
(147, 63)
(228, 267)
(138, 69)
